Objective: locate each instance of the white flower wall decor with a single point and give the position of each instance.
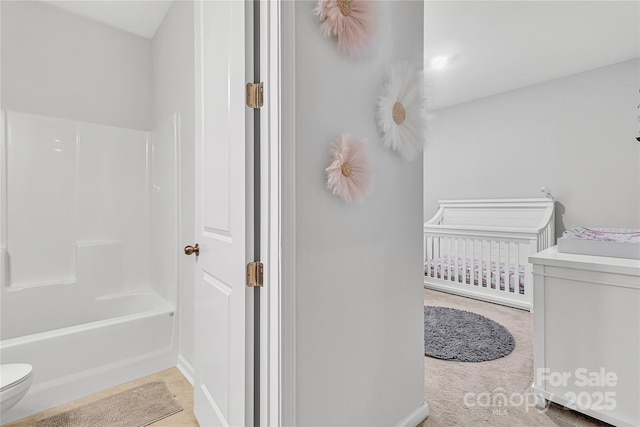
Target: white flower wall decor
(349, 176)
(351, 22)
(401, 113)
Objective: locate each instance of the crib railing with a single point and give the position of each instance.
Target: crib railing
(489, 264)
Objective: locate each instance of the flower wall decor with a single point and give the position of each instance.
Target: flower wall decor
(351, 22)
(349, 176)
(401, 113)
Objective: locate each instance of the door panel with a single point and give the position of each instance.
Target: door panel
(215, 309)
(221, 374)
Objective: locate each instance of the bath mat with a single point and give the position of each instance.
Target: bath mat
(136, 407)
(452, 334)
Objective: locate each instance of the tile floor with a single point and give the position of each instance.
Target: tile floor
(177, 383)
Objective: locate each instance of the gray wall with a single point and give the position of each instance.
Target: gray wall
(574, 135)
(174, 93)
(359, 337)
(59, 64)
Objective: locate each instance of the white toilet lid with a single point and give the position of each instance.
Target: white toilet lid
(13, 374)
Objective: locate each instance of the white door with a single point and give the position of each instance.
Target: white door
(222, 381)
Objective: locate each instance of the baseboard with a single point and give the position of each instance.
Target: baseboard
(416, 417)
(469, 293)
(186, 369)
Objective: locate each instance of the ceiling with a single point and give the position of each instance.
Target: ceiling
(141, 17)
(497, 46)
(492, 46)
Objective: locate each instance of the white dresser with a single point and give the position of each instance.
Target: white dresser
(587, 334)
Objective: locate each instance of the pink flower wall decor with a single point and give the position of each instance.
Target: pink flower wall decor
(401, 114)
(351, 22)
(349, 176)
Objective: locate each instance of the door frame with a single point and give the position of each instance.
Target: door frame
(277, 301)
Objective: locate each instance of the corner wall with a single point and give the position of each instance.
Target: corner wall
(174, 94)
(58, 64)
(359, 326)
(574, 135)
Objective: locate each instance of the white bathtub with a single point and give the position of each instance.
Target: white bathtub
(88, 268)
(83, 346)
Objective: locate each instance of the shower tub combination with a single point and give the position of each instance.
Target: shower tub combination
(87, 251)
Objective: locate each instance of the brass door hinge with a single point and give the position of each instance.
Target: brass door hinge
(254, 274)
(255, 95)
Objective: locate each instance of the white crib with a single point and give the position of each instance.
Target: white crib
(480, 248)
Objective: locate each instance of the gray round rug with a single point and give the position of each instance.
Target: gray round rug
(452, 334)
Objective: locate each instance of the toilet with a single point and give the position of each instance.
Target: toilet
(15, 380)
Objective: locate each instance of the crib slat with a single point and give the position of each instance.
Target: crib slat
(465, 262)
(514, 260)
(521, 264)
(498, 269)
(473, 261)
(436, 255)
(443, 254)
(508, 269)
(491, 263)
(453, 259)
(499, 266)
(488, 270)
(441, 243)
(436, 242)
(428, 254)
(432, 266)
(470, 261)
(513, 257)
(457, 260)
(496, 273)
(492, 274)
(482, 257)
(462, 254)
(481, 266)
(441, 264)
(448, 255)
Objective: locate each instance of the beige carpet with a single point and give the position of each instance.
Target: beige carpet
(136, 407)
(460, 393)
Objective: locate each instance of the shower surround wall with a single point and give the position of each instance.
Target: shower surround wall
(77, 196)
(88, 207)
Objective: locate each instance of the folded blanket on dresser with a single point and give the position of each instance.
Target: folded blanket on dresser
(621, 235)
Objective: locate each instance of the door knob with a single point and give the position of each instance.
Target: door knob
(188, 250)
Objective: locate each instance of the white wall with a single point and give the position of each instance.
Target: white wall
(574, 135)
(58, 64)
(359, 326)
(174, 93)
